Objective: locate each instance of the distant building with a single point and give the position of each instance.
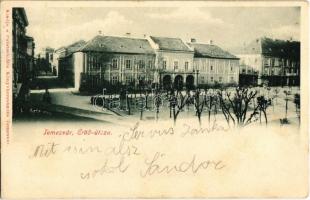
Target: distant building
(47, 53)
(110, 60)
(23, 50)
(63, 60)
(214, 64)
(265, 60)
(174, 62)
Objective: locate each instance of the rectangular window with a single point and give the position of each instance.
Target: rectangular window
(202, 79)
(276, 63)
(175, 65)
(114, 79)
(150, 64)
(232, 79)
(128, 79)
(164, 64)
(141, 77)
(114, 64)
(266, 62)
(128, 64)
(141, 64)
(220, 79)
(231, 68)
(204, 68)
(186, 66)
(211, 79)
(211, 68)
(272, 62)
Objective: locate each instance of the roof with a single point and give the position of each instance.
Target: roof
(68, 50)
(170, 44)
(210, 51)
(75, 46)
(114, 44)
(280, 48)
(28, 37)
(273, 47)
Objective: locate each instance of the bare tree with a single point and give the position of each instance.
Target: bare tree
(276, 94)
(263, 103)
(199, 104)
(209, 102)
(287, 93)
(297, 105)
(178, 101)
(158, 102)
(236, 106)
(128, 102)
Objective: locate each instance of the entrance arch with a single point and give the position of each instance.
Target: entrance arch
(167, 82)
(178, 82)
(190, 82)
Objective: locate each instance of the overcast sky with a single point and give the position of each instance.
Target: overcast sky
(228, 27)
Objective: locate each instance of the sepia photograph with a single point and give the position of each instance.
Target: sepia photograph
(81, 65)
(154, 99)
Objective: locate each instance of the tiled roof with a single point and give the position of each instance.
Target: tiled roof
(68, 50)
(172, 44)
(271, 47)
(115, 44)
(75, 46)
(280, 48)
(210, 51)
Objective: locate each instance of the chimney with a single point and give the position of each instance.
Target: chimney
(144, 35)
(193, 40)
(100, 32)
(128, 34)
(211, 42)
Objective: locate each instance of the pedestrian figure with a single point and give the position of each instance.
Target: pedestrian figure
(46, 96)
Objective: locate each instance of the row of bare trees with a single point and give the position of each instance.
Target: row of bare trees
(239, 107)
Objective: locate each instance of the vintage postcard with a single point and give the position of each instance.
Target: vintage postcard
(154, 99)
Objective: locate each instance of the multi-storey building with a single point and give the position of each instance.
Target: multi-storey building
(23, 50)
(151, 61)
(174, 62)
(63, 57)
(274, 62)
(110, 60)
(214, 65)
(47, 54)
